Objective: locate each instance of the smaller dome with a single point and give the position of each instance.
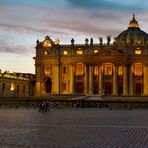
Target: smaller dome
(133, 35)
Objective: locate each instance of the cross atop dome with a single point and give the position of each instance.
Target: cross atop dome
(133, 23)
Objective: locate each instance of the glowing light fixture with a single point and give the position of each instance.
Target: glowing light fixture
(79, 52)
(65, 52)
(46, 52)
(95, 51)
(12, 87)
(138, 51)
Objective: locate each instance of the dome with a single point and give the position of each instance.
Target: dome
(133, 35)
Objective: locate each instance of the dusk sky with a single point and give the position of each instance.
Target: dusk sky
(22, 22)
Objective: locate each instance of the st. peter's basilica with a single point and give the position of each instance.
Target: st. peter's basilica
(118, 68)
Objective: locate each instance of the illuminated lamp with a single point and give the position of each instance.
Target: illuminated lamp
(79, 51)
(138, 51)
(12, 87)
(95, 51)
(65, 52)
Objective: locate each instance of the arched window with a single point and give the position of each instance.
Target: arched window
(108, 69)
(138, 69)
(96, 70)
(79, 69)
(120, 70)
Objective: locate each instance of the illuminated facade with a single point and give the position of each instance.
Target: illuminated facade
(120, 68)
(16, 84)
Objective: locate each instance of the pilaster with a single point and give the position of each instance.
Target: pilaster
(125, 86)
(114, 80)
(90, 79)
(145, 88)
(72, 79)
(100, 81)
(86, 79)
(131, 86)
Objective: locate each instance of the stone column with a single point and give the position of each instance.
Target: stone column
(145, 88)
(90, 79)
(86, 79)
(125, 86)
(131, 89)
(114, 80)
(38, 79)
(55, 81)
(71, 79)
(100, 81)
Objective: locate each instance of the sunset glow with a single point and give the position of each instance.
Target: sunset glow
(22, 22)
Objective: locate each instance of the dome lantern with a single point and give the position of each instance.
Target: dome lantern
(133, 23)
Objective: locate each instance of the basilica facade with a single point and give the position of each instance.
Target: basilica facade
(118, 68)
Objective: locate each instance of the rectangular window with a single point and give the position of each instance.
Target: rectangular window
(79, 52)
(24, 89)
(3, 87)
(95, 51)
(29, 89)
(65, 52)
(64, 85)
(137, 51)
(17, 90)
(64, 70)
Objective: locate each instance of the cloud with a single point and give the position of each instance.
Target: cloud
(32, 23)
(18, 49)
(105, 5)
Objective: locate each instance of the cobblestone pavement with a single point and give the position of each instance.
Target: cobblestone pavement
(73, 128)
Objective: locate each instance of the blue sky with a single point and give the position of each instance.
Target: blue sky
(22, 22)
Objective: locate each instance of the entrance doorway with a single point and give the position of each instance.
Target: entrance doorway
(108, 88)
(138, 88)
(79, 87)
(120, 89)
(48, 85)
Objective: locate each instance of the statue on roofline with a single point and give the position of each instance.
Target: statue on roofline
(101, 41)
(72, 41)
(86, 41)
(108, 40)
(37, 42)
(91, 41)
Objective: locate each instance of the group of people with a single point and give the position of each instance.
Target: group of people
(44, 106)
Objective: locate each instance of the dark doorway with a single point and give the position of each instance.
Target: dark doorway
(79, 87)
(120, 90)
(96, 88)
(138, 88)
(48, 85)
(108, 88)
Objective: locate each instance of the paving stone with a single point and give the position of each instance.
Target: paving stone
(73, 128)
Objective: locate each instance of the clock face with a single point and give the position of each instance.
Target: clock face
(47, 43)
